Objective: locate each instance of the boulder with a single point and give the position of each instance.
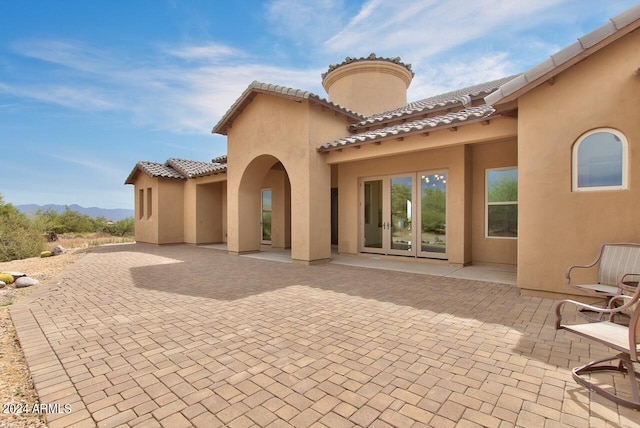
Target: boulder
(58, 249)
(2, 284)
(25, 281)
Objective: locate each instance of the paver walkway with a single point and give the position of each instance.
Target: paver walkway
(141, 335)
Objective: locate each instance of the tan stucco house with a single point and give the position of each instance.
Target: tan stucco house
(534, 170)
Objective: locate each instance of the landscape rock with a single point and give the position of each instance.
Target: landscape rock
(2, 284)
(6, 278)
(25, 281)
(58, 249)
(16, 275)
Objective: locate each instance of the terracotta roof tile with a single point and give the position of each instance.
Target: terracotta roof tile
(193, 169)
(371, 57)
(448, 120)
(153, 169)
(459, 97)
(179, 168)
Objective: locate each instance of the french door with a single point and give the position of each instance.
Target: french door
(405, 214)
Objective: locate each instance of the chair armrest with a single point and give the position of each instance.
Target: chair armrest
(622, 278)
(592, 264)
(567, 274)
(580, 305)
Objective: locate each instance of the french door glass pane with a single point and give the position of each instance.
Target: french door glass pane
(433, 192)
(401, 190)
(266, 215)
(373, 214)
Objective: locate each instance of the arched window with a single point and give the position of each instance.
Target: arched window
(600, 161)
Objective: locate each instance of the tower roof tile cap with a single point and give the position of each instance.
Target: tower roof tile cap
(371, 57)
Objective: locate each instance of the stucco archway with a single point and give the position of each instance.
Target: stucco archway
(249, 203)
(299, 209)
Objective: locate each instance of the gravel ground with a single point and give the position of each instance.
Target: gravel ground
(16, 386)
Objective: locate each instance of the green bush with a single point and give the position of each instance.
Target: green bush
(124, 227)
(19, 239)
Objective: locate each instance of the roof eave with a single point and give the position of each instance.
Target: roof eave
(281, 91)
(585, 46)
(409, 133)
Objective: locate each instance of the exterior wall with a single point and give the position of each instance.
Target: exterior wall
(368, 87)
(273, 129)
(203, 209)
(453, 159)
(485, 156)
(558, 227)
(169, 206)
(443, 149)
(146, 227)
(209, 213)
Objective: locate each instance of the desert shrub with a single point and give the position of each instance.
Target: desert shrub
(124, 227)
(69, 221)
(73, 221)
(19, 239)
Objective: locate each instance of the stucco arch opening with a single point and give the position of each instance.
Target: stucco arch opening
(263, 172)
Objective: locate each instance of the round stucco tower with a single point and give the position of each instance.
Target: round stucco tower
(368, 85)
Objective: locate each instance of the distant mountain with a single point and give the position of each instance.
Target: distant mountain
(113, 214)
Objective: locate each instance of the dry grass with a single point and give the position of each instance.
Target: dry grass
(75, 241)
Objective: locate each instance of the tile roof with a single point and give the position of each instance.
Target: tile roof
(560, 61)
(448, 120)
(220, 159)
(177, 168)
(193, 169)
(459, 97)
(371, 57)
(153, 169)
(266, 88)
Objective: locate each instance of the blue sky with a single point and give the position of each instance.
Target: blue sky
(88, 88)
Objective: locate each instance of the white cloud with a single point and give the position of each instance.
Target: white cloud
(168, 90)
(306, 21)
(417, 30)
(459, 73)
(88, 162)
(80, 98)
(208, 52)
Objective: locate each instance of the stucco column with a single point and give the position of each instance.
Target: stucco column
(311, 212)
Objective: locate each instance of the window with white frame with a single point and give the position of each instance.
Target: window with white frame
(600, 161)
(502, 202)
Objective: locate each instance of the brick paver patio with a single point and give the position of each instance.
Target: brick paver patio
(177, 336)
